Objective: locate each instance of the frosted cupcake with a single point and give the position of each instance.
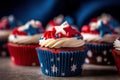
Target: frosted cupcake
(99, 36)
(116, 53)
(7, 24)
(62, 51)
(23, 41)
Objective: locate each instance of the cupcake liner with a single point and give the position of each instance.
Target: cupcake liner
(62, 64)
(3, 48)
(24, 55)
(100, 54)
(116, 55)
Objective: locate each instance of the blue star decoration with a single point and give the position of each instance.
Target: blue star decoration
(32, 30)
(103, 29)
(69, 20)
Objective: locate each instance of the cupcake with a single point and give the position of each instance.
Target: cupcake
(116, 53)
(62, 51)
(7, 24)
(57, 21)
(99, 36)
(22, 43)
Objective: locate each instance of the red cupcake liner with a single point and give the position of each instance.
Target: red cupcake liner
(116, 55)
(24, 55)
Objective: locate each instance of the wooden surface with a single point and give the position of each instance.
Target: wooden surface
(8, 71)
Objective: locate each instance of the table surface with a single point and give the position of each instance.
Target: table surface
(9, 71)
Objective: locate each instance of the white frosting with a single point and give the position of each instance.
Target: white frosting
(117, 44)
(61, 42)
(96, 37)
(91, 37)
(25, 39)
(4, 34)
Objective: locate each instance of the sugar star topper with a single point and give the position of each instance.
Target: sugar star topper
(60, 29)
(104, 29)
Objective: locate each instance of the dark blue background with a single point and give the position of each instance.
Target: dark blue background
(81, 10)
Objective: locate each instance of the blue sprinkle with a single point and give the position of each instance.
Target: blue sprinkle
(56, 36)
(15, 36)
(40, 38)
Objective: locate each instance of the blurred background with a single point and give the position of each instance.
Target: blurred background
(44, 10)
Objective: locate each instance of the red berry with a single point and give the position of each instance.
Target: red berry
(85, 28)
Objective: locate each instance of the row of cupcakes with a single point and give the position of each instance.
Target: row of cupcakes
(62, 48)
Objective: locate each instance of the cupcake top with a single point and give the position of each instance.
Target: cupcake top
(117, 43)
(7, 24)
(57, 21)
(61, 36)
(99, 30)
(27, 34)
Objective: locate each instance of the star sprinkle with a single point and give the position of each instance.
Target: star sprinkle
(31, 30)
(104, 29)
(54, 69)
(46, 71)
(63, 74)
(60, 29)
(73, 67)
(41, 65)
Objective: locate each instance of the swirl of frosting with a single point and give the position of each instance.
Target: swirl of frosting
(61, 36)
(27, 34)
(117, 43)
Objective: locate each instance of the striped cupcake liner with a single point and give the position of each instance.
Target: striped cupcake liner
(23, 55)
(62, 64)
(100, 54)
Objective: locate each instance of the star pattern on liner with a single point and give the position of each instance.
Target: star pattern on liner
(54, 69)
(33, 64)
(104, 52)
(60, 29)
(52, 59)
(99, 59)
(63, 74)
(31, 30)
(46, 71)
(73, 67)
(87, 60)
(104, 29)
(58, 59)
(89, 53)
(41, 64)
(105, 59)
(71, 59)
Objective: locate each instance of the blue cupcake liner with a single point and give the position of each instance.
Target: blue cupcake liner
(101, 51)
(3, 48)
(62, 64)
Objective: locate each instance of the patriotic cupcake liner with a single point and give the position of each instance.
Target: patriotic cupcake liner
(24, 55)
(3, 48)
(100, 54)
(62, 64)
(116, 55)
